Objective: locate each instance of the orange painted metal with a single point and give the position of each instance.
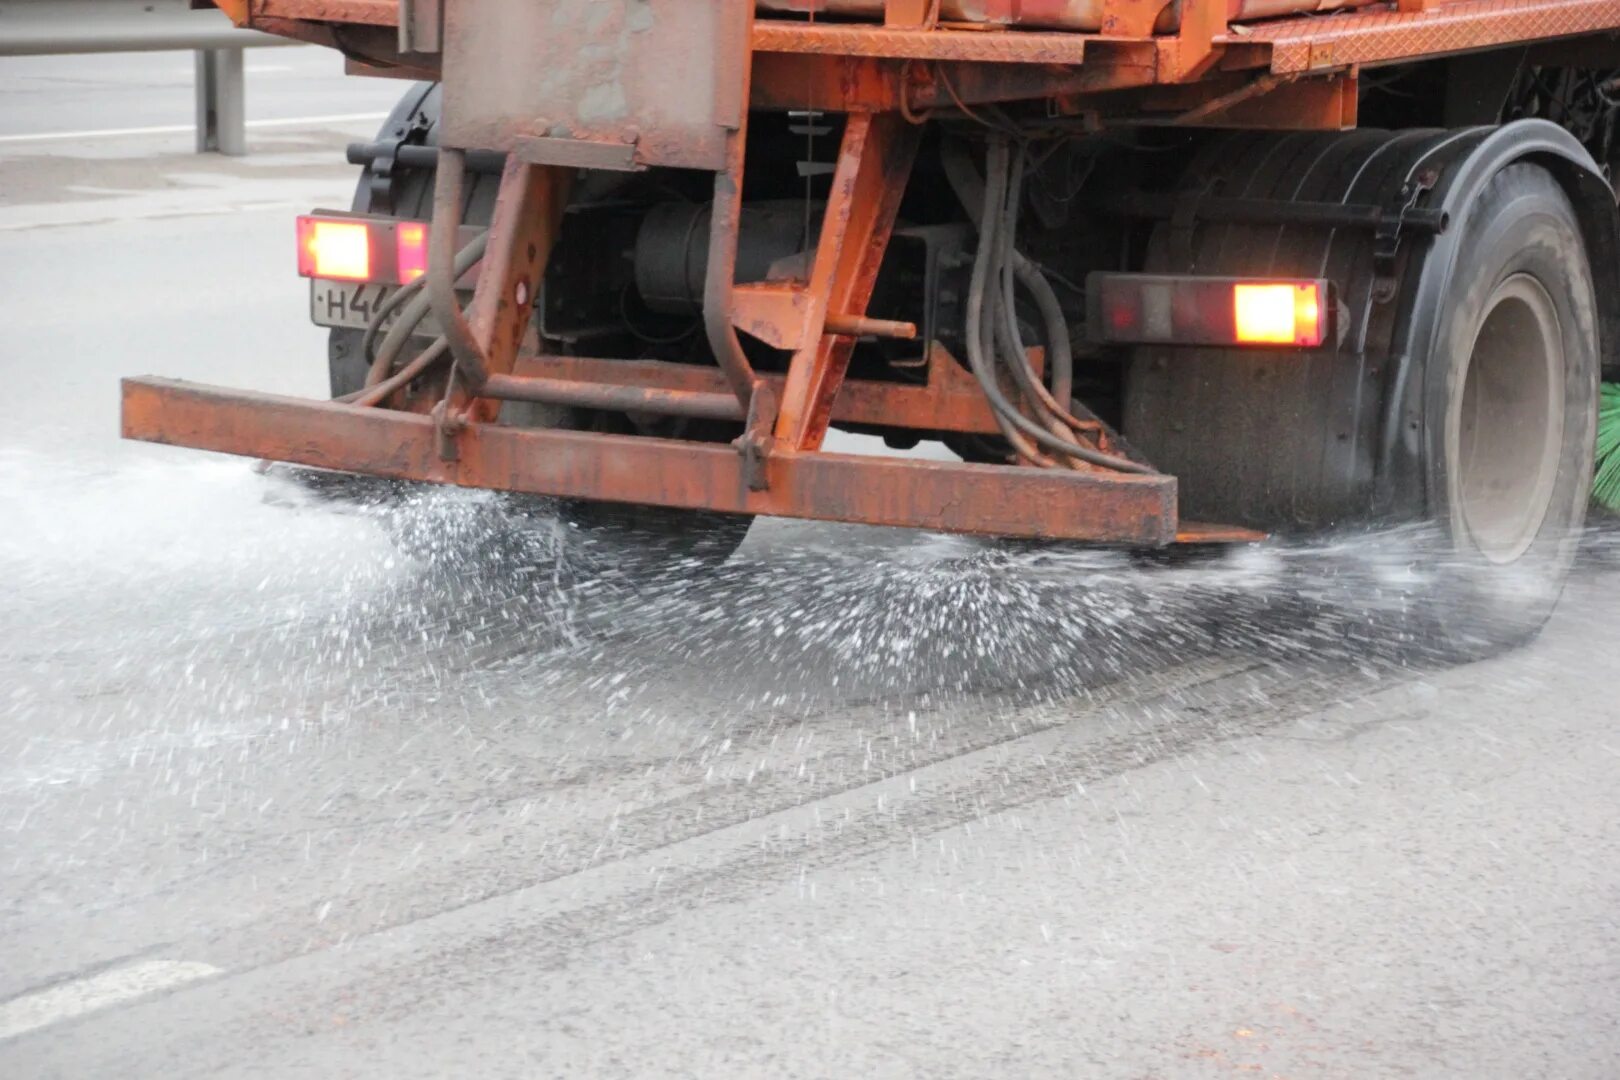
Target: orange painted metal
(999, 500)
(712, 404)
(1258, 101)
(527, 216)
(910, 13)
(1375, 36)
(360, 12)
(857, 39)
(597, 85)
(874, 164)
(776, 312)
(864, 65)
(1132, 18)
(950, 400)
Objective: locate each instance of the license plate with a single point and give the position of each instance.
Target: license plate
(352, 304)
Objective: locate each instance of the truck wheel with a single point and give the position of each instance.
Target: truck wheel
(1481, 432)
(1512, 409)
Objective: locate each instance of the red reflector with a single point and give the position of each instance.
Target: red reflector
(410, 243)
(334, 249)
(1282, 313)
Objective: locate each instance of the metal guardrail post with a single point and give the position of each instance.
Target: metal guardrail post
(57, 27)
(220, 121)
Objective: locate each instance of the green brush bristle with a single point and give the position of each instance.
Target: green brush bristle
(1606, 481)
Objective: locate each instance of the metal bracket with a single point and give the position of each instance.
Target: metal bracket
(1387, 232)
(447, 426)
(421, 26)
(1186, 210)
(755, 443)
(382, 171)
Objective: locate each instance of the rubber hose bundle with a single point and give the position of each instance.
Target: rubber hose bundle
(412, 303)
(1045, 435)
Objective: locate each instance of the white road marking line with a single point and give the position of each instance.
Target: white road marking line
(180, 129)
(33, 1011)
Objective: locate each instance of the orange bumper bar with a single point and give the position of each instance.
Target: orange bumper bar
(1000, 500)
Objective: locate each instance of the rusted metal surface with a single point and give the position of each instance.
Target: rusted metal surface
(1108, 16)
(995, 500)
(835, 39)
(862, 326)
(710, 404)
(720, 275)
(361, 12)
(1203, 532)
(949, 401)
(1132, 18)
(1378, 36)
(1258, 101)
(910, 14)
(877, 66)
(874, 164)
(865, 84)
(661, 77)
(527, 216)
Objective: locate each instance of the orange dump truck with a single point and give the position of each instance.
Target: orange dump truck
(1158, 271)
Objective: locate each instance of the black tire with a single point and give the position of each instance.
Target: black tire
(1356, 434)
(1512, 411)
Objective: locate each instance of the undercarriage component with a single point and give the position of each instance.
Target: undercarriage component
(672, 249)
(986, 499)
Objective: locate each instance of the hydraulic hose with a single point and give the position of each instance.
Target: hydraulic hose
(963, 177)
(1003, 317)
(373, 395)
(441, 277)
(978, 333)
(979, 357)
(416, 309)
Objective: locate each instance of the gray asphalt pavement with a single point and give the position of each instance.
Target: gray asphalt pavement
(276, 800)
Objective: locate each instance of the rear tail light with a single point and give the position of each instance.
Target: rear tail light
(1169, 309)
(381, 250)
(334, 249)
(1277, 313)
(385, 251)
(410, 250)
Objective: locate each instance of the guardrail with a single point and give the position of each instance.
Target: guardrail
(53, 27)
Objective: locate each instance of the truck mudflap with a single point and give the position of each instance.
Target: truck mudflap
(1000, 500)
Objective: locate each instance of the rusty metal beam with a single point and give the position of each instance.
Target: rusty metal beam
(714, 405)
(874, 164)
(523, 227)
(950, 401)
(1381, 36)
(854, 39)
(363, 12)
(999, 500)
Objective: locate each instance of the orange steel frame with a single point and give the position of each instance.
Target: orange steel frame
(912, 62)
(1287, 73)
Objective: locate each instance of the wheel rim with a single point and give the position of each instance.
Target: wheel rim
(1510, 420)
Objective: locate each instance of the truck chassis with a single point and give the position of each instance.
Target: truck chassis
(553, 94)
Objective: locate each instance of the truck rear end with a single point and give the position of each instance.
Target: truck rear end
(1158, 273)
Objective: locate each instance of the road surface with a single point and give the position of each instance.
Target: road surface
(278, 801)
